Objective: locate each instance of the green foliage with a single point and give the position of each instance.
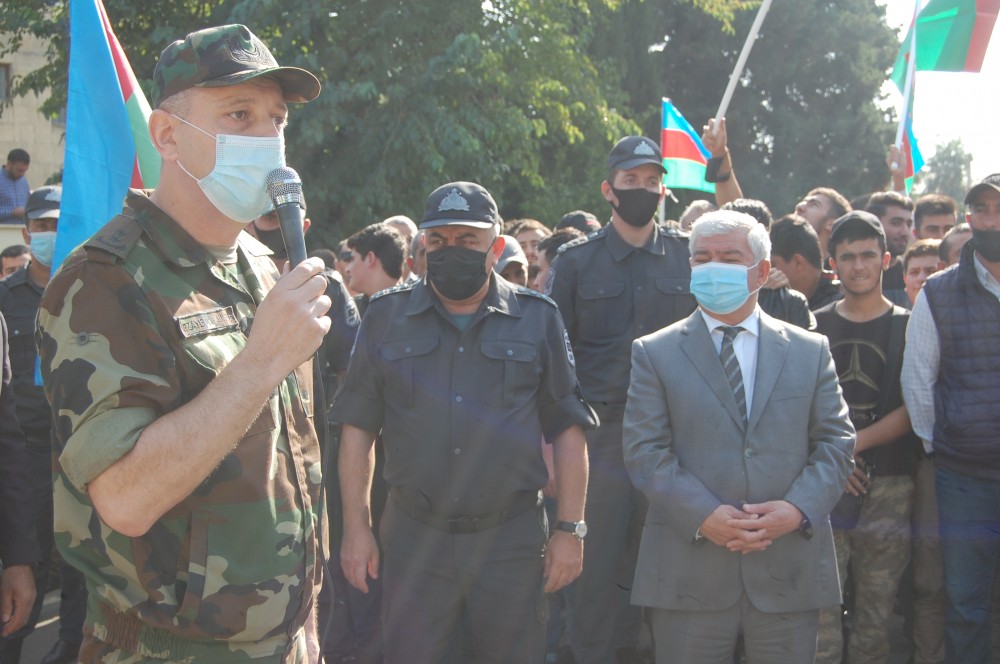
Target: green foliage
(949, 171)
(803, 114)
(527, 96)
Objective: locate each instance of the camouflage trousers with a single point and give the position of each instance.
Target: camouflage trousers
(877, 551)
(94, 650)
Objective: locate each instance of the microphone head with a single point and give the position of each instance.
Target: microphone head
(284, 186)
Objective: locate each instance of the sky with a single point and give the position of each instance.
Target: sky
(953, 105)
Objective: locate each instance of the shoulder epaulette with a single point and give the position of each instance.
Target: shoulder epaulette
(401, 288)
(117, 238)
(673, 231)
(580, 241)
(522, 290)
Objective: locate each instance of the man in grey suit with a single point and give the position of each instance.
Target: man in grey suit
(736, 432)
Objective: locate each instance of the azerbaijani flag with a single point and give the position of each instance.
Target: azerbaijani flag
(952, 36)
(684, 155)
(108, 148)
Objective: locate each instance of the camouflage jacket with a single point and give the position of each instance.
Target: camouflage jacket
(136, 323)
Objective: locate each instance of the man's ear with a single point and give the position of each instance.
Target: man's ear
(833, 266)
(498, 244)
(763, 269)
(609, 195)
(306, 224)
(26, 235)
(886, 259)
(161, 131)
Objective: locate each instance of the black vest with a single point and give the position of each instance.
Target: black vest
(967, 391)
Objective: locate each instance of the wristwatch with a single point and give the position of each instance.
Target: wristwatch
(578, 528)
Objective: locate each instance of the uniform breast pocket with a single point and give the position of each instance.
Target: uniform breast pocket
(601, 312)
(512, 365)
(402, 357)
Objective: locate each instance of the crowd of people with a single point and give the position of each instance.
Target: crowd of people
(726, 436)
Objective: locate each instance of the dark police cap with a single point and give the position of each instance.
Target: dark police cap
(43, 203)
(580, 220)
(633, 151)
(989, 182)
(222, 56)
(460, 203)
(855, 219)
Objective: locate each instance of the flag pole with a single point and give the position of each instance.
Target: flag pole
(661, 208)
(740, 64)
(911, 72)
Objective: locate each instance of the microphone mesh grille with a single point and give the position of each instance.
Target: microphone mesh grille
(284, 182)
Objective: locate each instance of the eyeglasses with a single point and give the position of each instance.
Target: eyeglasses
(345, 256)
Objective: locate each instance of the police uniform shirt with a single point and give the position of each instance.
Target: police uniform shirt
(462, 412)
(610, 293)
(19, 301)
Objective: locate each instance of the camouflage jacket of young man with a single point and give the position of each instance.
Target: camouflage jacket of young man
(136, 323)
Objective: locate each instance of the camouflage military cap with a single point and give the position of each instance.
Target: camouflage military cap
(225, 55)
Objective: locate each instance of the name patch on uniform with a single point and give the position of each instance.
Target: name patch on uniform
(203, 322)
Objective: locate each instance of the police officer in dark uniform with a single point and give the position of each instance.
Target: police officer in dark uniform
(624, 281)
(464, 374)
(20, 297)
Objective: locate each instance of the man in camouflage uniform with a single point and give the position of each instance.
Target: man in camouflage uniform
(177, 365)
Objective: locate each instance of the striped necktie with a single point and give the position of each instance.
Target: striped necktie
(732, 368)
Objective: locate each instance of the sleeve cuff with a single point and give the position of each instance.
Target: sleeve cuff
(100, 441)
(356, 410)
(560, 415)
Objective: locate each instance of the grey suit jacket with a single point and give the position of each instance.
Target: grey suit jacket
(687, 450)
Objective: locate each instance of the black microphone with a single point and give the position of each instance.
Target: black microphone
(285, 189)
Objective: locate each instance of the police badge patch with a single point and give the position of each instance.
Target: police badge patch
(569, 350)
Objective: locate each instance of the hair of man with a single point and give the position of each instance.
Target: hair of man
(881, 201)
(944, 249)
(388, 245)
(933, 204)
(18, 156)
(550, 245)
(792, 234)
(839, 205)
(753, 207)
(724, 222)
(927, 247)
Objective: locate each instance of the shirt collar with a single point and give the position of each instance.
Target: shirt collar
(749, 324)
(500, 298)
(986, 278)
(620, 249)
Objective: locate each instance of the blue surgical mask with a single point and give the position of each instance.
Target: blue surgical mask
(237, 185)
(721, 288)
(43, 246)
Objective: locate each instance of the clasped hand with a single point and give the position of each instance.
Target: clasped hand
(752, 528)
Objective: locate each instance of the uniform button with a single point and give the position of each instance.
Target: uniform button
(458, 450)
(600, 292)
(409, 350)
(642, 327)
(461, 349)
(458, 398)
(509, 352)
(748, 452)
(638, 288)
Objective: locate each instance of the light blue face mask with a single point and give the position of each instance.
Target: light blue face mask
(721, 288)
(237, 185)
(43, 247)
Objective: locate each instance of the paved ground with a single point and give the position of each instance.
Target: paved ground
(46, 632)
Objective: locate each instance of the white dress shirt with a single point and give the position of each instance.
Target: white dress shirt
(744, 346)
(922, 358)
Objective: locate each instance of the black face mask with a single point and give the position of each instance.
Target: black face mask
(636, 206)
(457, 272)
(987, 244)
(271, 239)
